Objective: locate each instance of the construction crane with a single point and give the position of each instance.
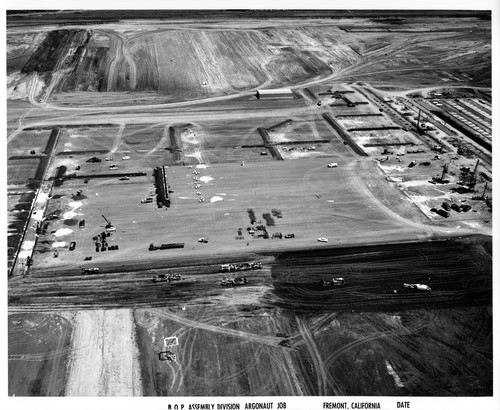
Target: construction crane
(109, 225)
(473, 177)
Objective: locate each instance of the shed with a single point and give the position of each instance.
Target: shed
(275, 93)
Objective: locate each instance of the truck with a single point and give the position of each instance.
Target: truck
(417, 286)
(333, 282)
(90, 271)
(229, 267)
(234, 282)
(152, 246)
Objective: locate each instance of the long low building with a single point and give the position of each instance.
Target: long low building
(162, 186)
(275, 93)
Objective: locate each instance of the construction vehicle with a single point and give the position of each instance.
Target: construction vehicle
(333, 282)
(162, 277)
(240, 281)
(234, 282)
(240, 266)
(167, 356)
(90, 271)
(109, 225)
(152, 246)
(417, 286)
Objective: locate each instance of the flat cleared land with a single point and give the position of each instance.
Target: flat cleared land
(139, 94)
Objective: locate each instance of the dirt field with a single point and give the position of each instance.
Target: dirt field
(140, 94)
(39, 344)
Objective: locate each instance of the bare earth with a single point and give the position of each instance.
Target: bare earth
(104, 357)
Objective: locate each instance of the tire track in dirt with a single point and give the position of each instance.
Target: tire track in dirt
(267, 340)
(161, 144)
(319, 366)
(118, 139)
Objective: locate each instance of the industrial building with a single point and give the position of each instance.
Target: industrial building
(275, 93)
(162, 186)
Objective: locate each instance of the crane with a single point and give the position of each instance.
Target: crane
(109, 225)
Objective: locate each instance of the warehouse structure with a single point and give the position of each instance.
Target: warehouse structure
(162, 187)
(275, 93)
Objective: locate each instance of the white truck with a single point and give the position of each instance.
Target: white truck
(417, 286)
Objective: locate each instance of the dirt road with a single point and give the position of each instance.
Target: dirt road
(104, 358)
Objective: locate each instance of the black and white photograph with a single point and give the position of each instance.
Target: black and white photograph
(236, 206)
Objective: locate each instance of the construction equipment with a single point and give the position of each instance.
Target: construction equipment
(152, 246)
(441, 180)
(240, 266)
(333, 282)
(90, 271)
(162, 277)
(167, 356)
(109, 225)
(417, 286)
(234, 282)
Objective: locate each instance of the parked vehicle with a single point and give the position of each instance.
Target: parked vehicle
(333, 282)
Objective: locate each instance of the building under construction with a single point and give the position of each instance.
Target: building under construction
(162, 186)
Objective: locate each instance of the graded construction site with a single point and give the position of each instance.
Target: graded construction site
(249, 207)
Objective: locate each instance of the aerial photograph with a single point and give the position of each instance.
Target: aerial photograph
(239, 209)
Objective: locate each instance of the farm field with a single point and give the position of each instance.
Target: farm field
(361, 190)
